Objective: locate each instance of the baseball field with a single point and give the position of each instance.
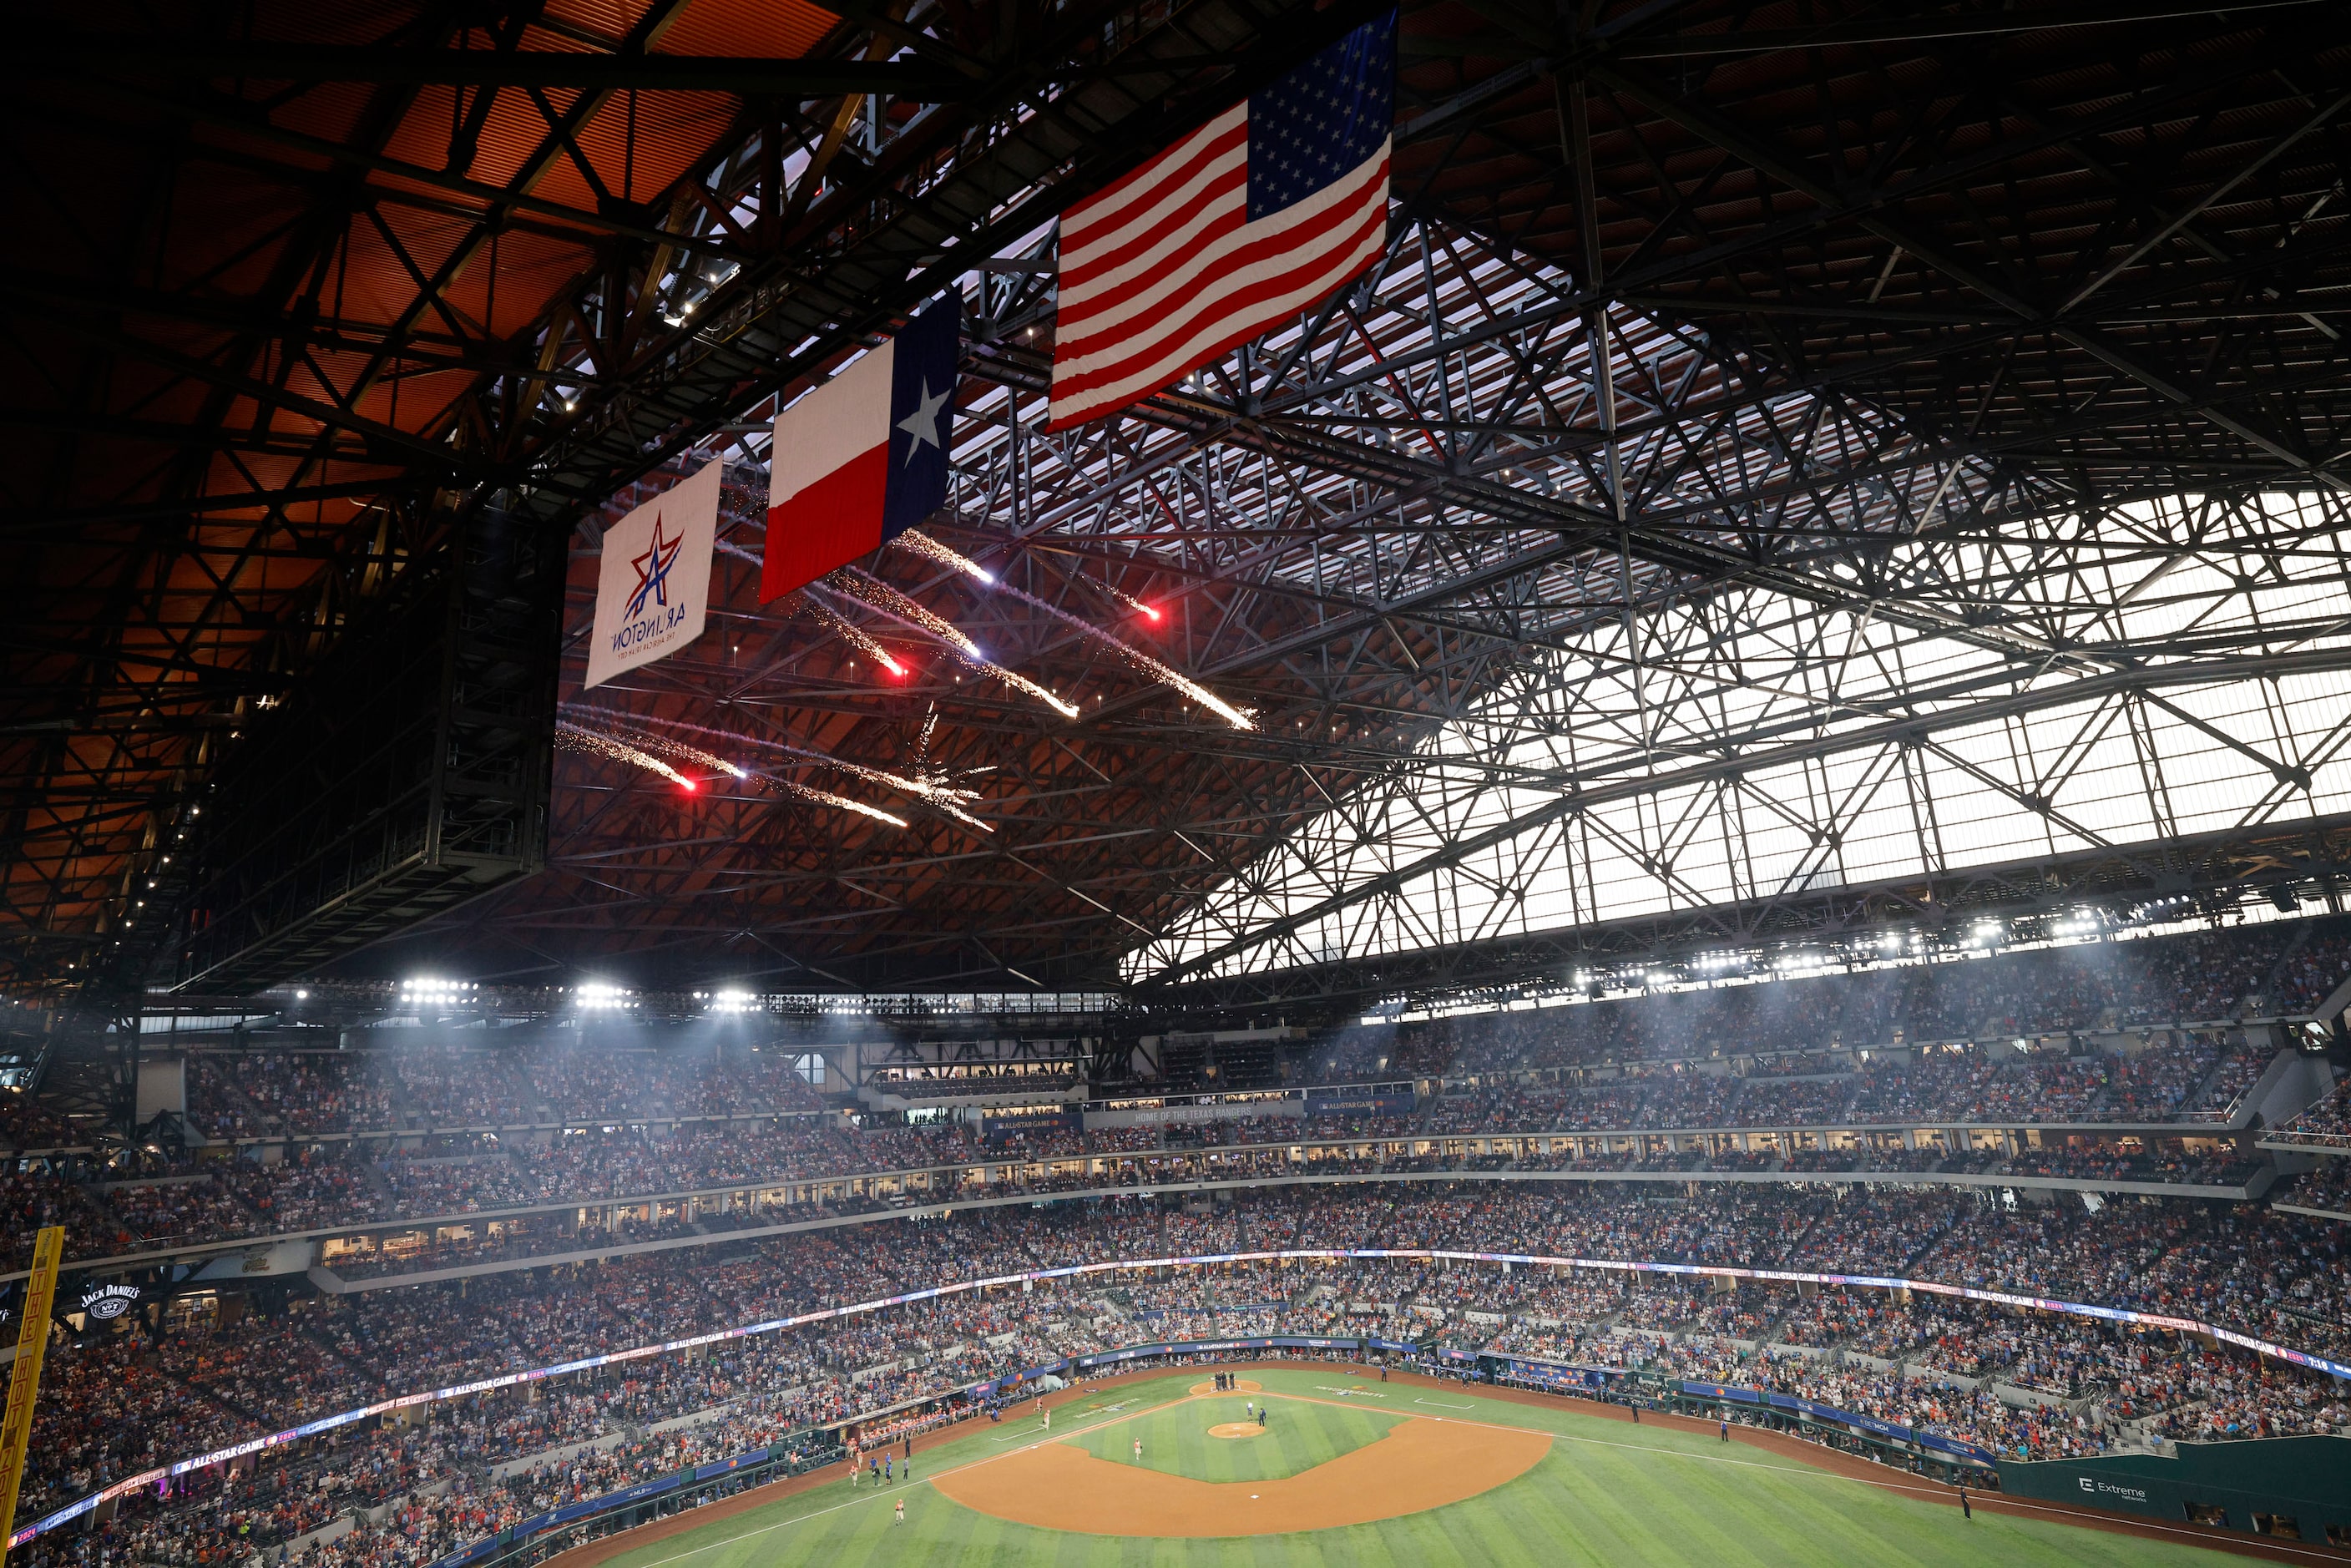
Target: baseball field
(1342, 1469)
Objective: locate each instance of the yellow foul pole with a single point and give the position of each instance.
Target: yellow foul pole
(25, 1377)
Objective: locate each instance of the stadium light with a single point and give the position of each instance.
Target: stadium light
(431, 988)
(595, 995)
(731, 1002)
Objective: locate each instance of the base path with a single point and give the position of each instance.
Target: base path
(1420, 1464)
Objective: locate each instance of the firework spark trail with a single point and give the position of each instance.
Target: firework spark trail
(827, 797)
(1130, 600)
(585, 740)
(787, 785)
(922, 544)
(620, 750)
(946, 797)
(652, 742)
(856, 635)
(1142, 662)
(881, 596)
(941, 796)
(603, 744)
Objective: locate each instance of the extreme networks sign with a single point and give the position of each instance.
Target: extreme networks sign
(2305, 1480)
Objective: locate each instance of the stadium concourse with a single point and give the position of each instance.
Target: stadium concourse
(736, 733)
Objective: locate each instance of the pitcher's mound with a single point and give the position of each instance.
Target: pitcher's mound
(1240, 1386)
(1235, 1429)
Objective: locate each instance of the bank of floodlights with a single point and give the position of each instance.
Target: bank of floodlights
(429, 989)
(595, 996)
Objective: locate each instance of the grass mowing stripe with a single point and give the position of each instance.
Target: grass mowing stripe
(1943, 1495)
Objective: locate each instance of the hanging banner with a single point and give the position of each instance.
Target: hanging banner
(653, 587)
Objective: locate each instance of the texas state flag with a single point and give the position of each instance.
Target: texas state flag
(862, 458)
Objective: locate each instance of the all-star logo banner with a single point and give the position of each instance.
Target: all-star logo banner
(654, 584)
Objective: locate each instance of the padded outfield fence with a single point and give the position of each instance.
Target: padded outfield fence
(326, 1424)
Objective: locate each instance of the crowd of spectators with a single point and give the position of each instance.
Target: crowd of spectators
(2328, 1187)
(233, 1365)
(2152, 1160)
(2310, 976)
(265, 1093)
(26, 1123)
(2161, 985)
(150, 1200)
(2328, 1122)
(175, 1210)
(31, 1199)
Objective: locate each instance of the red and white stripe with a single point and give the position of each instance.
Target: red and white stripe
(1164, 271)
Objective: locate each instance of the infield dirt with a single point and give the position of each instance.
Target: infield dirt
(1420, 1464)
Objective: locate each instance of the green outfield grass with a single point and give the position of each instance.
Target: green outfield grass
(1296, 1437)
(1609, 1493)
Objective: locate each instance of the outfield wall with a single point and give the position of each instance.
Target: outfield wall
(2250, 1484)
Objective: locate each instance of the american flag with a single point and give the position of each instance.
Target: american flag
(1261, 212)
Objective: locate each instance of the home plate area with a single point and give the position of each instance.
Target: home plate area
(1208, 1467)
